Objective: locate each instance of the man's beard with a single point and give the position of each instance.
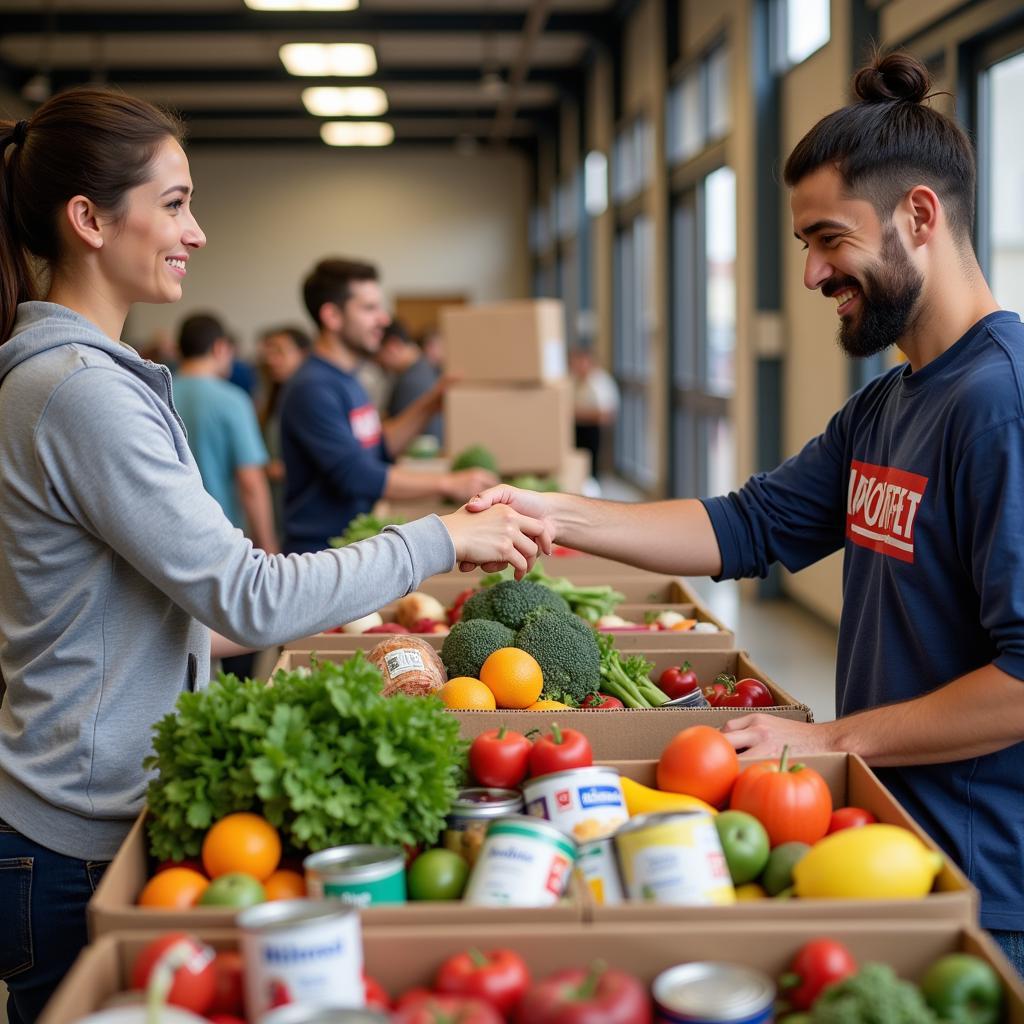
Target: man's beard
(887, 301)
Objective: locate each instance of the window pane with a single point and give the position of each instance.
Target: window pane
(718, 93)
(720, 289)
(807, 28)
(684, 292)
(691, 121)
(595, 188)
(721, 456)
(1006, 182)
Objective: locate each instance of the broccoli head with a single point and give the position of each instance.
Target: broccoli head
(874, 995)
(566, 649)
(512, 601)
(475, 457)
(477, 606)
(470, 643)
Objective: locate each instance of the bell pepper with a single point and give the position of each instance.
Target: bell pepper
(964, 988)
(499, 977)
(600, 995)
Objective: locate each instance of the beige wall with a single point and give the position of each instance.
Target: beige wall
(432, 221)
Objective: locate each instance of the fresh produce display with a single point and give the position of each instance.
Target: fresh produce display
(567, 650)
(408, 665)
(322, 755)
(471, 642)
(363, 526)
(511, 602)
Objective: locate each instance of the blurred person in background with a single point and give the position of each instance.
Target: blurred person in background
(240, 373)
(412, 374)
(337, 452)
(282, 351)
(431, 342)
(595, 403)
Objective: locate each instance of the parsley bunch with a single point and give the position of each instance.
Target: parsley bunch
(320, 754)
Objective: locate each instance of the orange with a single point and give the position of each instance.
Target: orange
(242, 842)
(463, 693)
(548, 705)
(173, 888)
(285, 885)
(513, 676)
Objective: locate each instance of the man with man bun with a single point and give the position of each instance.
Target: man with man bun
(919, 479)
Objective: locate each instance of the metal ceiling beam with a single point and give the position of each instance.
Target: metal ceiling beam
(537, 18)
(65, 76)
(251, 114)
(98, 22)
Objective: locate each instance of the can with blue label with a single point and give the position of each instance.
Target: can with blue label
(707, 992)
(585, 803)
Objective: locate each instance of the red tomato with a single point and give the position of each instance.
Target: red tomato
(849, 817)
(726, 692)
(792, 801)
(817, 964)
(699, 761)
(229, 984)
(499, 977)
(560, 750)
(224, 1018)
(499, 758)
(678, 681)
(601, 702)
(194, 981)
(600, 995)
(422, 1007)
(376, 995)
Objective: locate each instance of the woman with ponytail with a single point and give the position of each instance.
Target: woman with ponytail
(118, 573)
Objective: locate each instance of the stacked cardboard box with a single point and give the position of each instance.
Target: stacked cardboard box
(513, 395)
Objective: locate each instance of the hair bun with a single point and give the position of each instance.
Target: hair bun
(895, 77)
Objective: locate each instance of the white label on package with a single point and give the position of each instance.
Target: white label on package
(555, 366)
(403, 660)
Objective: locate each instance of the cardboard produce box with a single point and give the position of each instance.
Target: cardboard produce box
(506, 342)
(852, 783)
(112, 907)
(723, 640)
(401, 958)
(628, 735)
(527, 429)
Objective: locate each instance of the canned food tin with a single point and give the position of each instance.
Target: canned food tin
(524, 862)
(585, 803)
(713, 993)
(359, 874)
(693, 699)
(474, 809)
(674, 858)
(323, 1015)
(598, 870)
(301, 951)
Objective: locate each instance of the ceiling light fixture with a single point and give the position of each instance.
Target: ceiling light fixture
(334, 101)
(302, 5)
(325, 59)
(357, 133)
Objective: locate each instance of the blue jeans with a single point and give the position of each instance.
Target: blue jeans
(42, 906)
(1012, 944)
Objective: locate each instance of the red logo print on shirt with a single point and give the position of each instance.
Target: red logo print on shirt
(881, 507)
(365, 423)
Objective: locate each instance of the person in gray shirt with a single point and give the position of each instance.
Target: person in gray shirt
(119, 574)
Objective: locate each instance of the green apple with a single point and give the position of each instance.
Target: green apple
(438, 875)
(235, 889)
(745, 844)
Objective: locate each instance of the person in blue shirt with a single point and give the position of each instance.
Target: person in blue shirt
(223, 431)
(337, 452)
(919, 479)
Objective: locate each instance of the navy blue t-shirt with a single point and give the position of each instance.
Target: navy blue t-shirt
(333, 452)
(919, 478)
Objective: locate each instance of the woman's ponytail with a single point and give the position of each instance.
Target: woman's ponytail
(16, 281)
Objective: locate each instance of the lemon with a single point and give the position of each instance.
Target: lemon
(875, 862)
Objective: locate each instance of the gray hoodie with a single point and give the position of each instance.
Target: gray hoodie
(114, 564)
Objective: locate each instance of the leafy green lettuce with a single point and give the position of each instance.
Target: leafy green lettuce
(320, 753)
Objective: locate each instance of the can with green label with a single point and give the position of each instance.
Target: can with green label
(360, 875)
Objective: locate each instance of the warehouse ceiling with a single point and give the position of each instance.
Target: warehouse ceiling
(453, 71)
